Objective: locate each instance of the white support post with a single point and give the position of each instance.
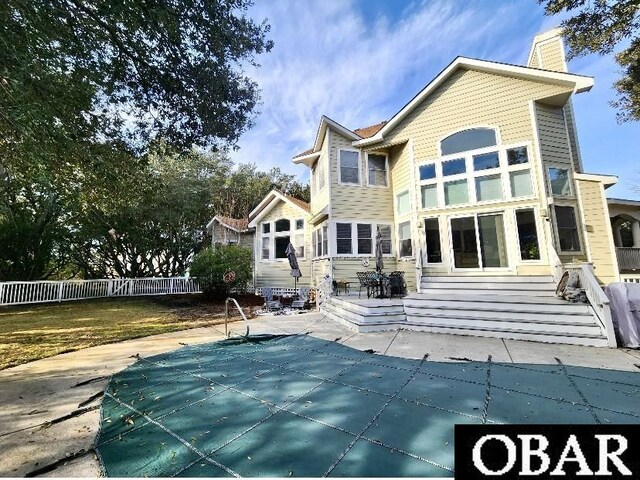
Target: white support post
(109, 288)
(60, 287)
(635, 231)
(171, 286)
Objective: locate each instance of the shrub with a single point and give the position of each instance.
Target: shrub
(210, 265)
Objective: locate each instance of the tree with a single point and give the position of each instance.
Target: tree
(76, 73)
(598, 27)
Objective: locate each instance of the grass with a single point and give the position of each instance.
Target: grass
(37, 331)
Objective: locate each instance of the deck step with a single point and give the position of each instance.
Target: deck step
(488, 279)
(570, 318)
(454, 290)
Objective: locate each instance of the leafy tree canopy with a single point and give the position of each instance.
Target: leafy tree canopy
(76, 73)
(598, 26)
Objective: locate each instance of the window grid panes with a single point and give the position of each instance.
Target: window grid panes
(283, 225)
(404, 238)
(365, 240)
(527, 235)
(567, 228)
(266, 227)
(377, 165)
(385, 233)
(464, 179)
(403, 203)
(349, 167)
(343, 238)
(559, 181)
(429, 195)
(265, 248)
(281, 244)
(471, 139)
(298, 243)
(432, 239)
(299, 224)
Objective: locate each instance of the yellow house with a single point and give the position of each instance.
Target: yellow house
(476, 186)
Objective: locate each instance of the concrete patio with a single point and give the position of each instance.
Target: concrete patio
(49, 390)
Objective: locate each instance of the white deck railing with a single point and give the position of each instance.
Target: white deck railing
(19, 293)
(598, 300)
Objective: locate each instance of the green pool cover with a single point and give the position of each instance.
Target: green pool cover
(299, 406)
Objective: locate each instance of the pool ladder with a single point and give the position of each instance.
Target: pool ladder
(226, 316)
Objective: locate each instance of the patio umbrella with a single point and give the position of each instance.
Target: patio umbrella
(290, 252)
(379, 262)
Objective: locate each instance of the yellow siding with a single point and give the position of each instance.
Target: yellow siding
(276, 273)
(598, 230)
(554, 141)
(534, 60)
(552, 55)
(320, 199)
(573, 136)
(356, 201)
(469, 98)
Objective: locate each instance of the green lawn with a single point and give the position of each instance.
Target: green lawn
(37, 331)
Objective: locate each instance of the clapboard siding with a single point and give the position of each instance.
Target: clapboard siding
(320, 200)
(469, 98)
(598, 230)
(573, 136)
(554, 141)
(356, 201)
(276, 273)
(552, 55)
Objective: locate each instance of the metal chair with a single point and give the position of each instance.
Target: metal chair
(397, 285)
(270, 304)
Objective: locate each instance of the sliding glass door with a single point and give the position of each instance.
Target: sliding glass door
(478, 242)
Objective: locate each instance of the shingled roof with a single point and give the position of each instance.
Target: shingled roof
(364, 132)
(238, 224)
(301, 203)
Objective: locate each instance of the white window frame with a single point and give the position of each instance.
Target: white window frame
(318, 231)
(272, 235)
(556, 233)
(349, 184)
(558, 166)
(399, 240)
(503, 169)
(539, 233)
(425, 259)
(386, 169)
(397, 203)
(354, 238)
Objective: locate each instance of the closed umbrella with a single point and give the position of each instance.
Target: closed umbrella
(290, 252)
(379, 262)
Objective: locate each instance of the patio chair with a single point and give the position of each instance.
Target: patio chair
(397, 285)
(368, 280)
(270, 304)
(303, 298)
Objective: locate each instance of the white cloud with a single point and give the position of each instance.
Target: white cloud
(330, 59)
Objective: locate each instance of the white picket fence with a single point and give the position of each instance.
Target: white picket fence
(17, 293)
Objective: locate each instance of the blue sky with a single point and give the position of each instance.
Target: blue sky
(360, 61)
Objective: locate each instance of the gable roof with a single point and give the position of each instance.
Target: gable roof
(239, 225)
(309, 156)
(270, 201)
(579, 84)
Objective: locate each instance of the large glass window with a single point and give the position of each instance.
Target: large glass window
(385, 233)
(517, 156)
(427, 172)
(567, 229)
(343, 239)
(298, 243)
(281, 246)
(365, 240)
(559, 181)
(403, 203)
(454, 167)
(429, 195)
(471, 139)
(432, 238)
(486, 161)
(377, 165)
(527, 235)
(520, 181)
(404, 238)
(489, 188)
(456, 192)
(349, 167)
(283, 225)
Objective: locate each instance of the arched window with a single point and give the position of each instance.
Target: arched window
(468, 140)
(283, 225)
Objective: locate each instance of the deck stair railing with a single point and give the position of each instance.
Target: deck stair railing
(598, 300)
(323, 291)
